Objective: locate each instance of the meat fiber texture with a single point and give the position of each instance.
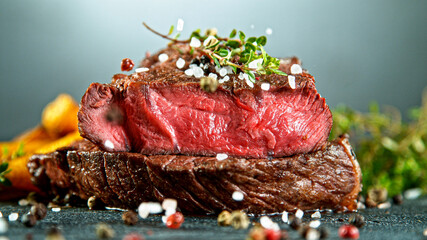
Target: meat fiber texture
(325, 179)
(164, 111)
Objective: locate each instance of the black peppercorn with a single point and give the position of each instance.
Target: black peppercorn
(195, 61)
(398, 199)
(29, 220)
(130, 217)
(295, 223)
(103, 231)
(357, 220)
(205, 59)
(39, 210)
(324, 233)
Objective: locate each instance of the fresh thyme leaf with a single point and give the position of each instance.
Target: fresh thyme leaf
(20, 151)
(223, 52)
(216, 61)
(5, 181)
(250, 46)
(251, 39)
(191, 51)
(5, 151)
(171, 30)
(233, 33)
(233, 44)
(234, 69)
(3, 167)
(261, 41)
(278, 72)
(242, 36)
(251, 76)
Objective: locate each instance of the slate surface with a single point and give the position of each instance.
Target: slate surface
(405, 221)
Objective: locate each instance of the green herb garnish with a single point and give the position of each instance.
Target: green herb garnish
(3, 171)
(237, 51)
(19, 152)
(391, 153)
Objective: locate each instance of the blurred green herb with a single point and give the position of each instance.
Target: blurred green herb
(246, 54)
(391, 153)
(19, 152)
(3, 171)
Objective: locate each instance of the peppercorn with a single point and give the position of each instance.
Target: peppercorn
(39, 210)
(378, 195)
(224, 218)
(175, 220)
(256, 233)
(29, 220)
(133, 236)
(95, 203)
(195, 61)
(357, 220)
(54, 234)
(272, 234)
(348, 231)
(295, 223)
(324, 233)
(205, 59)
(239, 220)
(370, 203)
(208, 84)
(398, 199)
(103, 231)
(127, 64)
(130, 217)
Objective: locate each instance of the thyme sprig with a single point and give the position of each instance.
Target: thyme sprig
(236, 51)
(3, 171)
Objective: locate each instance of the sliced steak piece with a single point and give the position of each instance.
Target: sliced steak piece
(326, 179)
(164, 111)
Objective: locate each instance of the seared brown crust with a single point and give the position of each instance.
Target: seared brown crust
(325, 179)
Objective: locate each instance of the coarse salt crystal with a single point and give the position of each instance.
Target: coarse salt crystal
(268, 31)
(316, 215)
(285, 217)
(170, 211)
(312, 235)
(109, 144)
(3, 226)
(226, 78)
(296, 69)
(315, 224)
(221, 156)
(291, 80)
(384, 205)
(229, 70)
(241, 77)
(180, 63)
(299, 214)
(140, 70)
(189, 72)
(163, 57)
(180, 25)
(237, 196)
(213, 75)
(13, 217)
(194, 42)
(169, 203)
(267, 223)
(223, 72)
(143, 210)
(221, 81)
(265, 86)
(198, 72)
(154, 207)
(254, 63)
(249, 82)
(56, 209)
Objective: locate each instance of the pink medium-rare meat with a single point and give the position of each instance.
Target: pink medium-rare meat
(164, 111)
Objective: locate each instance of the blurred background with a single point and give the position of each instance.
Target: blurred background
(358, 51)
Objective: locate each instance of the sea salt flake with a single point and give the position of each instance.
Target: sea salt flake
(194, 42)
(109, 144)
(291, 80)
(223, 72)
(154, 207)
(169, 203)
(221, 81)
(254, 63)
(265, 86)
(189, 72)
(13, 217)
(268, 31)
(198, 72)
(221, 156)
(169, 212)
(213, 75)
(56, 209)
(237, 196)
(296, 69)
(312, 234)
(285, 217)
(315, 224)
(180, 25)
(240, 76)
(226, 78)
(140, 70)
(3, 225)
(180, 63)
(163, 57)
(267, 223)
(229, 70)
(299, 214)
(143, 210)
(316, 215)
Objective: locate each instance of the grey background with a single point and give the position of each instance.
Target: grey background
(358, 51)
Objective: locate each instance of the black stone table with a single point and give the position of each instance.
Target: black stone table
(406, 221)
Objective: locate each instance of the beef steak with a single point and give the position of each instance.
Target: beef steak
(164, 111)
(325, 179)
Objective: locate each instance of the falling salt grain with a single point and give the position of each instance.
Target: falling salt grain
(109, 144)
(140, 70)
(3, 225)
(268, 31)
(299, 214)
(316, 215)
(169, 203)
(291, 80)
(285, 217)
(198, 72)
(223, 72)
(163, 57)
(296, 69)
(180, 63)
(221, 156)
(13, 217)
(194, 42)
(237, 196)
(252, 26)
(265, 86)
(180, 25)
(56, 209)
(189, 72)
(314, 224)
